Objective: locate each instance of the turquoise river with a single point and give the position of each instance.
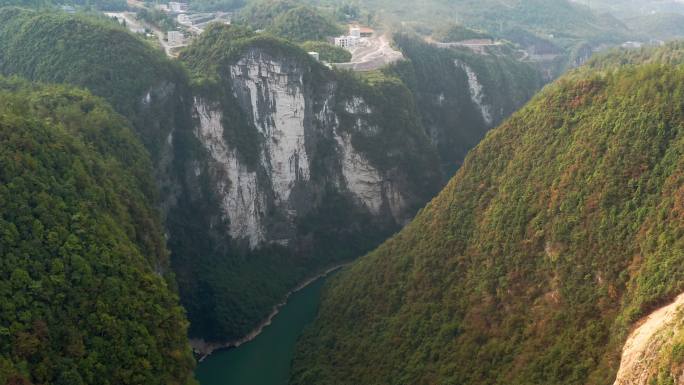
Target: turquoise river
(265, 360)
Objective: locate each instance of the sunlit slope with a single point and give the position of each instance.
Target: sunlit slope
(562, 228)
(87, 297)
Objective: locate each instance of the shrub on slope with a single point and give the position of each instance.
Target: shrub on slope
(81, 248)
(562, 228)
(101, 56)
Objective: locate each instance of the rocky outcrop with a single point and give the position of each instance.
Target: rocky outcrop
(462, 95)
(293, 168)
(242, 201)
(476, 91)
(292, 120)
(647, 347)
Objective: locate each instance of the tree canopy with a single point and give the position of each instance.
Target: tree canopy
(87, 296)
(562, 229)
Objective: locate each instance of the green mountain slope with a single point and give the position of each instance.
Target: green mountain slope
(562, 18)
(562, 228)
(97, 54)
(105, 5)
(665, 26)
(82, 251)
(304, 23)
(462, 94)
(259, 14)
(625, 9)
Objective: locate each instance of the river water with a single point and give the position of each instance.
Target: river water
(266, 360)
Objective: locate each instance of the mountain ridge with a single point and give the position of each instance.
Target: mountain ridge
(532, 264)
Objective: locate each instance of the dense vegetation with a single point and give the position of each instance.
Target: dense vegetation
(671, 54)
(223, 45)
(259, 14)
(459, 33)
(99, 55)
(665, 26)
(84, 298)
(328, 52)
(157, 18)
(289, 19)
(304, 23)
(216, 5)
(104, 5)
(562, 18)
(625, 9)
(562, 228)
(440, 85)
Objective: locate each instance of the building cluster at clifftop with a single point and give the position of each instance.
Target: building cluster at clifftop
(151, 195)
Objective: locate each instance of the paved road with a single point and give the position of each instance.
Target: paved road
(136, 3)
(134, 25)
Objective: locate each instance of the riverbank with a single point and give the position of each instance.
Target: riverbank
(204, 348)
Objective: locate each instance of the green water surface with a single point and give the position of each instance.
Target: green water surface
(265, 360)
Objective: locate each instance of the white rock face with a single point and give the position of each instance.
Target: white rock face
(241, 200)
(362, 179)
(396, 201)
(274, 94)
(357, 106)
(278, 110)
(365, 182)
(643, 347)
(476, 91)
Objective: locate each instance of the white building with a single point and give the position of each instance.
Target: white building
(178, 7)
(355, 32)
(632, 44)
(184, 19)
(175, 37)
(347, 41)
(315, 55)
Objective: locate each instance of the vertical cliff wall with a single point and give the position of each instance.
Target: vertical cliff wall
(462, 94)
(296, 168)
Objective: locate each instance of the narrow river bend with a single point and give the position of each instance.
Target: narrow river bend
(266, 360)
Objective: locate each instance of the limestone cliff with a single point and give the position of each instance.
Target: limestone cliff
(295, 126)
(295, 167)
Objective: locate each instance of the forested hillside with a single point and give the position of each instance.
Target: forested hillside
(87, 295)
(101, 56)
(665, 26)
(563, 18)
(105, 5)
(304, 23)
(561, 230)
(462, 94)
